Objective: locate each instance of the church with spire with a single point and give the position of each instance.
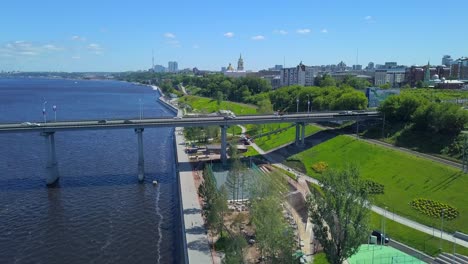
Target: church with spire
(236, 73)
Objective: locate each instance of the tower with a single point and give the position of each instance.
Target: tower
(427, 74)
(240, 63)
(152, 54)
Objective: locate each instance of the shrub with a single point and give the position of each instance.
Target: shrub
(320, 166)
(434, 208)
(373, 187)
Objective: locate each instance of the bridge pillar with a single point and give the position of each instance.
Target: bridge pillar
(223, 144)
(51, 165)
(141, 159)
(303, 134)
(298, 133)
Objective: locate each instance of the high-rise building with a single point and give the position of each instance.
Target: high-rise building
(447, 60)
(172, 66)
(159, 68)
(370, 66)
(394, 77)
(301, 75)
(460, 69)
(357, 67)
(391, 64)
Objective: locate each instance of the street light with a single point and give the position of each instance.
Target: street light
(55, 112)
(385, 216)
(44, 111)
(297, 104)
(441, 229)
(141, 114)
(308, 104)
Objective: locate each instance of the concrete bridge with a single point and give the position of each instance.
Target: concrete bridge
(48, 130)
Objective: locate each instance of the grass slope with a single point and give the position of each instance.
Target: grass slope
(287, 136)
(208, 105)
(421, 241)
(404, 176)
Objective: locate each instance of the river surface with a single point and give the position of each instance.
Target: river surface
(98, 212)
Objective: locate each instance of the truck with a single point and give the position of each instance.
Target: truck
(227, 114)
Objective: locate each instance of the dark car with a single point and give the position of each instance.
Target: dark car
(379, 236)
(128, 122)
(102, 121)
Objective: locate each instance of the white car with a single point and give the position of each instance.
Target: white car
(177, 117)
(26, 124)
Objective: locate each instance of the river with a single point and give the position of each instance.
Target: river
(98, 212)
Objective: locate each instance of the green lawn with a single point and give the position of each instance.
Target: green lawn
(320, 258)
(287, 136)
(421, 241)
(250, 152)
(404, 176)
(208, 105)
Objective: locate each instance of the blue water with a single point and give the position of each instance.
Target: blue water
(98, 212)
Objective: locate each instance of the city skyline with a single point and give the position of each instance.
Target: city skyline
(58, 37)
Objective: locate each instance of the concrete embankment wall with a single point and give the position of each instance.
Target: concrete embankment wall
(172, 108)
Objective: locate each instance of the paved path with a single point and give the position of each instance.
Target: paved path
(195, 232)
(388, 214)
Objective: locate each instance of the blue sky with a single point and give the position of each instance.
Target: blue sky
(114, 35)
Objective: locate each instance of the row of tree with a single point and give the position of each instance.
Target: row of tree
(424, 115)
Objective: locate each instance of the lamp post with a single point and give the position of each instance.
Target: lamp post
(44, 111)
(141, 114)
(385, 216)
(308, 104)
(297, 105)
(55, 112)
(441, 229)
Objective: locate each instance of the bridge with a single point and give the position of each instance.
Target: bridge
(48, 130)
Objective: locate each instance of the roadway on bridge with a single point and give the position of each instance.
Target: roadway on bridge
(183, 122)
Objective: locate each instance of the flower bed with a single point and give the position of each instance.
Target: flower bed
(373, 187)
(434, 208)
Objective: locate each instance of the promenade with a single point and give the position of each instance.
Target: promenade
(195, 233)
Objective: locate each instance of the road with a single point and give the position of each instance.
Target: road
(182, 122)
(388, 214)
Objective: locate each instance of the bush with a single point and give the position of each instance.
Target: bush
(373, 187)
(320, 166)
(434, 208)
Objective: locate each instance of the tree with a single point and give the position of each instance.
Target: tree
(385, 86)
(234, 253)
(419, 84)
(214, 202)
(340, 216)
(326, 81)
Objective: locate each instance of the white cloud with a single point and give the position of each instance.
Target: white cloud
(258, 37)
(78, 38)
(25, 48)
(368, 18)
(229, 34)
(303, 31)
(324, 30)
(281, 32)
(169, 35)
(51, 47)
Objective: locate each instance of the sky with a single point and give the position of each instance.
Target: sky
(103, 35)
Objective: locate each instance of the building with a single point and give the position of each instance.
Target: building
(414, 74)
(395, 77)
(370, 66)
(240, 63)
(300, 75)
(223, 69)
(276, 68)
(272, 76)
(459, 69)
(240, 72)
(357, 67)
(447, 60)
(159, 68)
(390, 64)
(172, 66)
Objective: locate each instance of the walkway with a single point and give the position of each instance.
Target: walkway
(195, 232)
(388, 214)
